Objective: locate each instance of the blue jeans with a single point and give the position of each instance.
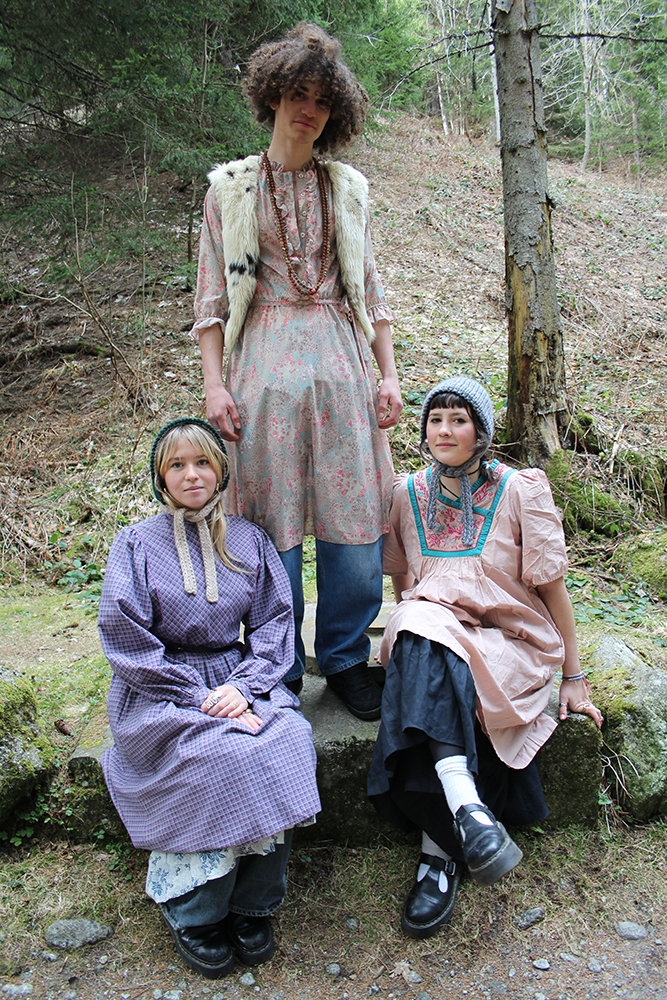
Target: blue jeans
(349, 596)
(254, 887)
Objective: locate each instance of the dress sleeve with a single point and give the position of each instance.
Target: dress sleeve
(376, 303)
(543, 553)
(211, 305)
(394, 558)
(129, 606)
(268, 625)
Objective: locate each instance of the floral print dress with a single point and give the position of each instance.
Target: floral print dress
(311, 458)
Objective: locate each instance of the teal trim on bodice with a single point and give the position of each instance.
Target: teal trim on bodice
(487, 514)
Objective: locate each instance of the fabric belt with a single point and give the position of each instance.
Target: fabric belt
(204, 650)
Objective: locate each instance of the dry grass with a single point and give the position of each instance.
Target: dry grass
(584, 882)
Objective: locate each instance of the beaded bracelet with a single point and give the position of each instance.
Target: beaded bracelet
(575, 677)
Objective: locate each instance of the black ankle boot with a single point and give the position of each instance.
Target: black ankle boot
(358, 691)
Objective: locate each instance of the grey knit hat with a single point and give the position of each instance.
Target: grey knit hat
(480, 402)
(474, 394)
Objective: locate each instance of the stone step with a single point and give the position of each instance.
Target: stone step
(570, 765)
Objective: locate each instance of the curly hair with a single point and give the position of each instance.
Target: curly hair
(307, 52)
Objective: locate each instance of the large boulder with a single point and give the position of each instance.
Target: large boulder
(26, 755)
(633, 696)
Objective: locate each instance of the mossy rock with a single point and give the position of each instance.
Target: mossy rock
(571, 771)
(27, 757)
(91, 815)
(645, 476)
(633, 696)
(644, 557)
(585, 506)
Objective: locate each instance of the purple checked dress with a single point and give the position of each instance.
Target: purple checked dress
(181, 780)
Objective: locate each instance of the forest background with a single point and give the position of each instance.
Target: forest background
(111, 113)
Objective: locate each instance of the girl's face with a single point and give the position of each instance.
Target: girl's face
(301, 114)
(451, 435)
(189, 477)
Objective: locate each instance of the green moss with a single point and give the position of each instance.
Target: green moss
(27, 756)
(585, 505)
(584, 433)
(645, 558)
(645, 476)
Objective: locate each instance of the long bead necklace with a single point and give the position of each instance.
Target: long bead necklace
(299, 284)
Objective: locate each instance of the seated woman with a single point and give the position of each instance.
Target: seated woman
(212, 766)
(477, 556)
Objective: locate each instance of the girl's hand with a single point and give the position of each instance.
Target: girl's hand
(575, 696)
(227, 702)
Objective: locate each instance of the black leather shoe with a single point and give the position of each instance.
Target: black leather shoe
(252, 938)
(358, 691)
(295, 686)
(427, 908)
(205, 949)
(488, 851)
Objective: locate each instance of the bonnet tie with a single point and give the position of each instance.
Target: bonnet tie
(459, 472)
(199, 517)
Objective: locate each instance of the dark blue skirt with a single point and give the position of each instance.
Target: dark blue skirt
(429, 694)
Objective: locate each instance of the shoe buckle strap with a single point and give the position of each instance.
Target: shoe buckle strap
(449, 867)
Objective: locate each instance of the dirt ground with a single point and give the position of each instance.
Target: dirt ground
(81, 390)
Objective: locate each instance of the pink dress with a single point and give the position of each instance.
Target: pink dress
(311, 459)
(481, 602)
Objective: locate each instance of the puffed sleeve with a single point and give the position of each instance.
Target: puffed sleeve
(394, 559)
(129, 606)
(268, 625)
(211, 304)
(543, 553)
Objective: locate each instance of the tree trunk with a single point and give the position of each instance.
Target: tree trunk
(537, 410)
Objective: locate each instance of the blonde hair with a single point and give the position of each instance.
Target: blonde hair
(205, 443)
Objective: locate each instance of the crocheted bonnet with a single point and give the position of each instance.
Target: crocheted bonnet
(199, 517)
(480, 402)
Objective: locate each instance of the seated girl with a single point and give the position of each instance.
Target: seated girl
(477, 556)
(212, 766)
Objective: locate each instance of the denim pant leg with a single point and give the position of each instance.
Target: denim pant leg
(349, 597)
(207, 904)
(260, 883)
(292, 560)
(255, 886)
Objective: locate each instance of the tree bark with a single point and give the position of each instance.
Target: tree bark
(537, 409)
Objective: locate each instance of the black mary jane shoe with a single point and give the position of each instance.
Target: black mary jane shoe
(360, 694)
(427, 907)
(251, 937)
(488, 851)
(206, 949)
(295, 686)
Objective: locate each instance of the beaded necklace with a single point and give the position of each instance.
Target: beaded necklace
(297, 282)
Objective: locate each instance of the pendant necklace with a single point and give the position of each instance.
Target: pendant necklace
(301, 286)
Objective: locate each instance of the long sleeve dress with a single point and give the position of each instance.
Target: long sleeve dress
(311, 459)
(182, 780)
(481, 604)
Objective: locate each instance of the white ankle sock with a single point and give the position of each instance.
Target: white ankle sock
(430, 847)
(459, 786)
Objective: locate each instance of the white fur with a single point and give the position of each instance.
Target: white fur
(236, 186)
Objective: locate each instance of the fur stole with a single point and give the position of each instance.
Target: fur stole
(236, 185)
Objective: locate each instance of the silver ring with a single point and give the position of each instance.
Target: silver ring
(562, 704)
